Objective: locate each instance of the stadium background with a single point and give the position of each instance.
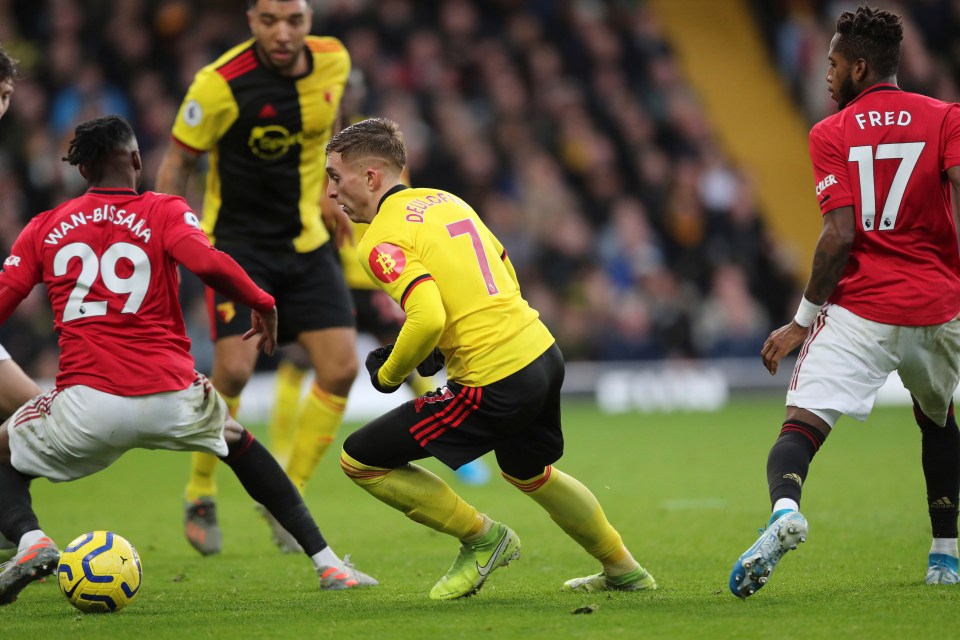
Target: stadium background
(646, 169)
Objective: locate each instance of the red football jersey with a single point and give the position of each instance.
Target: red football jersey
(113, 286)
(886, 154)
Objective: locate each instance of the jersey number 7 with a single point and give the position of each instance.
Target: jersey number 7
(908, 153)
(461, 227)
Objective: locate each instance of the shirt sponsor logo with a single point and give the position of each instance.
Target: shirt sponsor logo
(12, 261)
(387, 262)
(192, 113)
(273, 141)
(829, 181)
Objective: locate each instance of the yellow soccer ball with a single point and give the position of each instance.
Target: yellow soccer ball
(99, 572)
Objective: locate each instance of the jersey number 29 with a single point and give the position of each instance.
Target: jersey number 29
(136, 284)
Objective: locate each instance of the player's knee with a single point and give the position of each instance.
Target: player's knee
(337, 380)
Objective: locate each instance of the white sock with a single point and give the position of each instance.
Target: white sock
(326, 558)
(29, 539)
(786, 503)
(946, 546)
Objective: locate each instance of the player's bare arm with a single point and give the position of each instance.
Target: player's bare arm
(175, 169)
(829, 261)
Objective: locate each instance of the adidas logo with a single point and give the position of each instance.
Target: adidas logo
(267, 111)
(941, 503)
(794, 477)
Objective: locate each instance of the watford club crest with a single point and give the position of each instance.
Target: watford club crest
(226, 311)
(387, 262)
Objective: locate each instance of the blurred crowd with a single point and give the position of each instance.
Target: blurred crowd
(566, 123)
(799, 33)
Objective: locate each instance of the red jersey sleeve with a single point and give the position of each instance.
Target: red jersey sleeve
(829, 170)
(23, 268)
(951, 138)
(221, 272)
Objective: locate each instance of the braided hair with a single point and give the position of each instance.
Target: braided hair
(8, 66)
(871, 34)
(94, 141)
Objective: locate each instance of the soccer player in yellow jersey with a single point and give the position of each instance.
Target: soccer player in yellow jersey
(378, 315)
(431, 252)
(263, 112)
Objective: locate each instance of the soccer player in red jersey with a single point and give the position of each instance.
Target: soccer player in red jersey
(16, 387)
(884, 290)
(109, 262)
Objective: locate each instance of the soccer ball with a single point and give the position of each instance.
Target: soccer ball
(99, 572)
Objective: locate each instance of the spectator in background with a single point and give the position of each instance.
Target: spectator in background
(559, 111)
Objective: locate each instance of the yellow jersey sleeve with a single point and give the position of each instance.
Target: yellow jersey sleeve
(207, 111)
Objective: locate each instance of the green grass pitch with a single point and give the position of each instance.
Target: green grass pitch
(686, 490)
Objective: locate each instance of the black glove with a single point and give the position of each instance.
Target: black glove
(432, 363)
(375, 360)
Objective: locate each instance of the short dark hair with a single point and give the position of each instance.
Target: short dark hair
(871, 34)
(94, 139)
(8, 66)
(373, 137)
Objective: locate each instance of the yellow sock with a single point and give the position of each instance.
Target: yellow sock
(317, 424)
(202, 465)
(419, 494)
(576, 510)
(289, 379)
(421, 385)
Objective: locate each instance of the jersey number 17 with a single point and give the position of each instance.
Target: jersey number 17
(908, 153)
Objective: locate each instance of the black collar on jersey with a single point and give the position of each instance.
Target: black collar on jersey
(112, 191)
(877, 87)
(390, 192)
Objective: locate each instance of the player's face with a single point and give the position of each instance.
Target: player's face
(348, 184)
(279, 27)
(839, 76)
(6, 92)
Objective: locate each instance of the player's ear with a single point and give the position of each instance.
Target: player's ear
(136, 160)
(859, 70)
(374, 178)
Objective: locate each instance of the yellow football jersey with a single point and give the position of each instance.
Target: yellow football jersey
(353, 272)
(420, 234)
(265, 134)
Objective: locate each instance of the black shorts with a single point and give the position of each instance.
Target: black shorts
(309, 288)
(377, 314)
(518, 418)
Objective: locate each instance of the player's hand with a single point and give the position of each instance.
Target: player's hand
(432, 363)
(265, 326)
(780, 343)
(375, 360)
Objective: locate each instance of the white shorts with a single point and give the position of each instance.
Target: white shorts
(4, 354)
(68, 434)
(846, 359)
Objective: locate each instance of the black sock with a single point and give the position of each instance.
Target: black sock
(790, 459)
(941, 469)
(16, 510)
(264, 479)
